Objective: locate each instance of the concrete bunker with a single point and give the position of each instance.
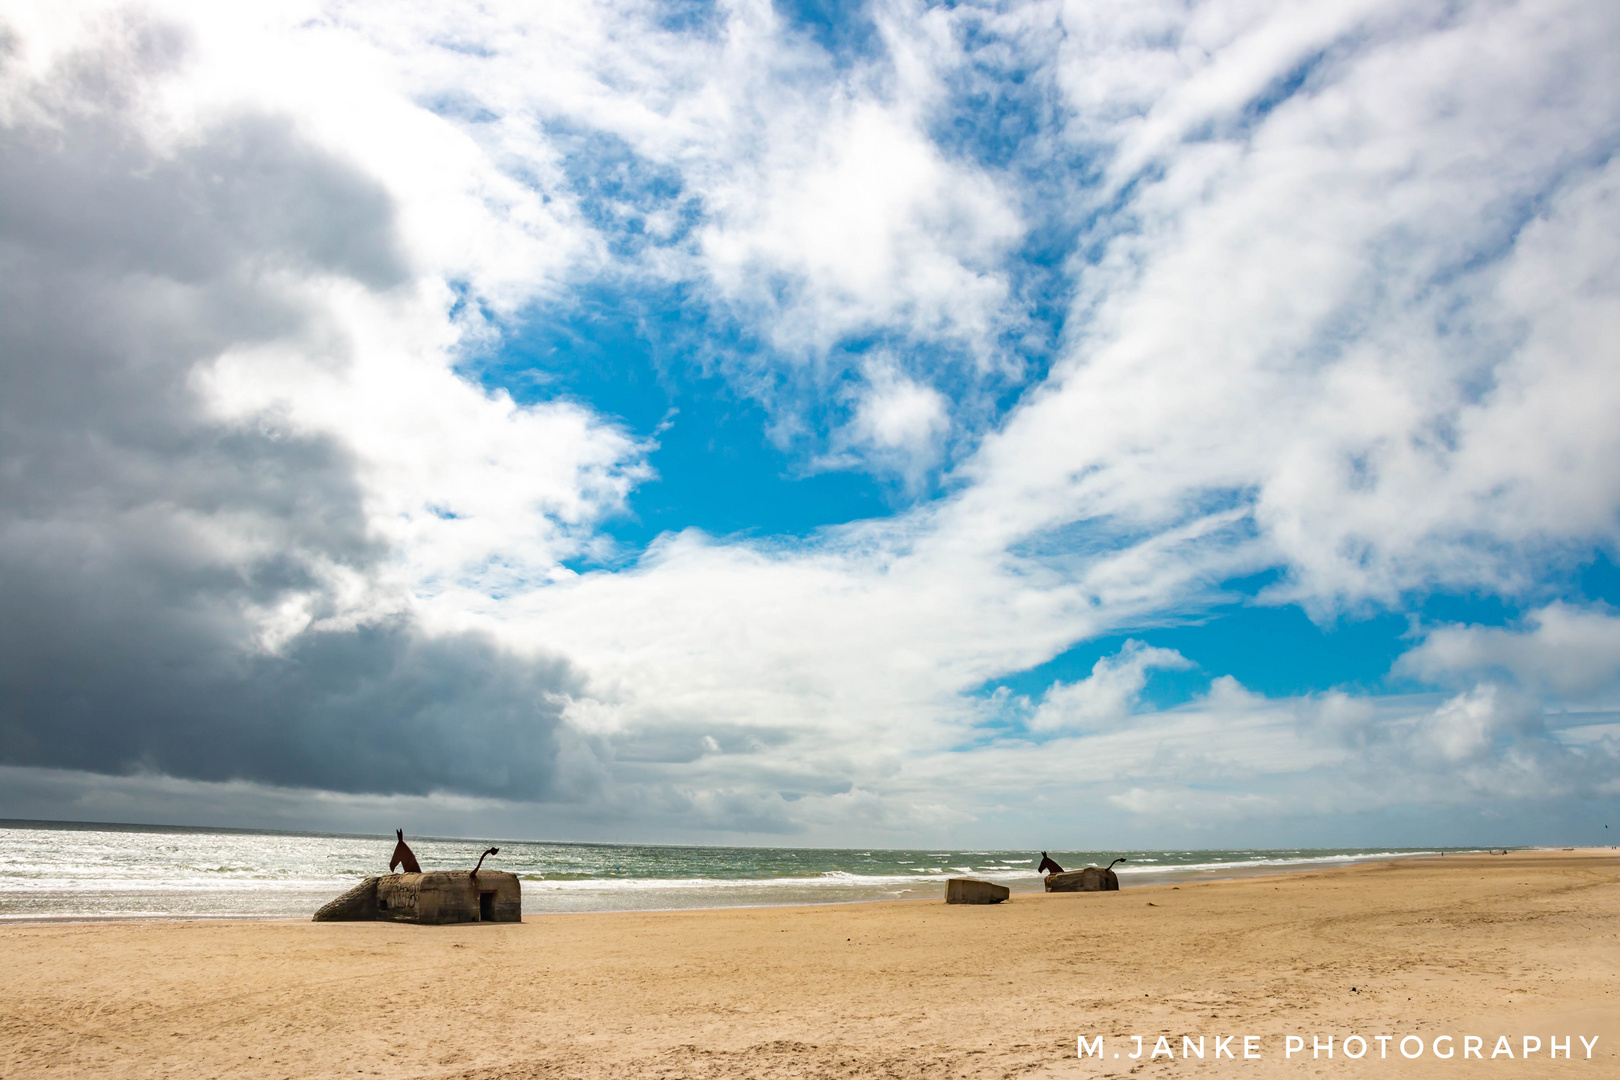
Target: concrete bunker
(961, 890)
(1091, 879)
(433, 897)
(430, 898)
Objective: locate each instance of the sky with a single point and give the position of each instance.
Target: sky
(1053, 425)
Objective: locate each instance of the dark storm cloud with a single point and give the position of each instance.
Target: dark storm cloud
(384, 710)
(137, 534)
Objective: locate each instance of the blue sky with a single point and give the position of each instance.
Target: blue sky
(642, 361)
(843, 423)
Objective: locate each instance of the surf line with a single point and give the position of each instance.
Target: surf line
(1408, 1046)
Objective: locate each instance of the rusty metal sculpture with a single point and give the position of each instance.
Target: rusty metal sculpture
(481, 858)
(403, 857)
(1048, 865)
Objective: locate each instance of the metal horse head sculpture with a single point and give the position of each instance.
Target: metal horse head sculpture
(1048, 865)
(402, 856)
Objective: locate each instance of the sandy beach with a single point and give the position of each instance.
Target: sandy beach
(1521, 945)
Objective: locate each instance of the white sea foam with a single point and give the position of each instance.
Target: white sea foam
(123, 872)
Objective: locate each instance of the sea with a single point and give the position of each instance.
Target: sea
(60, 871)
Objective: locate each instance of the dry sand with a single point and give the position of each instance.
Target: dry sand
(1525, 944)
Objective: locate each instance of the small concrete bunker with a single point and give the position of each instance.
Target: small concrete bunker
(961, 890)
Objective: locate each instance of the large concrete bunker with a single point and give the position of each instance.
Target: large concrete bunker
(431, 898)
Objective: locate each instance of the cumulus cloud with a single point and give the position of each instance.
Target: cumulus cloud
(899, 427)
(864, 228)
(1564, 650)
(1306, 768)
(1469, 725)
(220, 487)
(1109, 694)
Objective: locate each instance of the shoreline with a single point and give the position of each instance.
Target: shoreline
(1486, 946)
(932, 888)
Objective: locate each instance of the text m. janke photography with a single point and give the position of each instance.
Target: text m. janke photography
(1351, 1047)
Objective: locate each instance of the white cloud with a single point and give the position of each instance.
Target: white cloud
(1468, 725)
(1234, 756)
(1109, 694)
(1189, 804)
(1334, 314)
(469, 491)
(899, 425)
(863, 227)
(1563, 650)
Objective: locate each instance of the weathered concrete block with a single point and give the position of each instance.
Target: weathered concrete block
(359, 904)
(961, 890)
(1091, 879)
(450, 896)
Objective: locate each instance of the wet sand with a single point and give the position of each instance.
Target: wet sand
(1526, 944)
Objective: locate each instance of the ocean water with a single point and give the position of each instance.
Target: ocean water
(56, 871)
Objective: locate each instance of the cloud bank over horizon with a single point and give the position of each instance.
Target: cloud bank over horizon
(885, 423)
